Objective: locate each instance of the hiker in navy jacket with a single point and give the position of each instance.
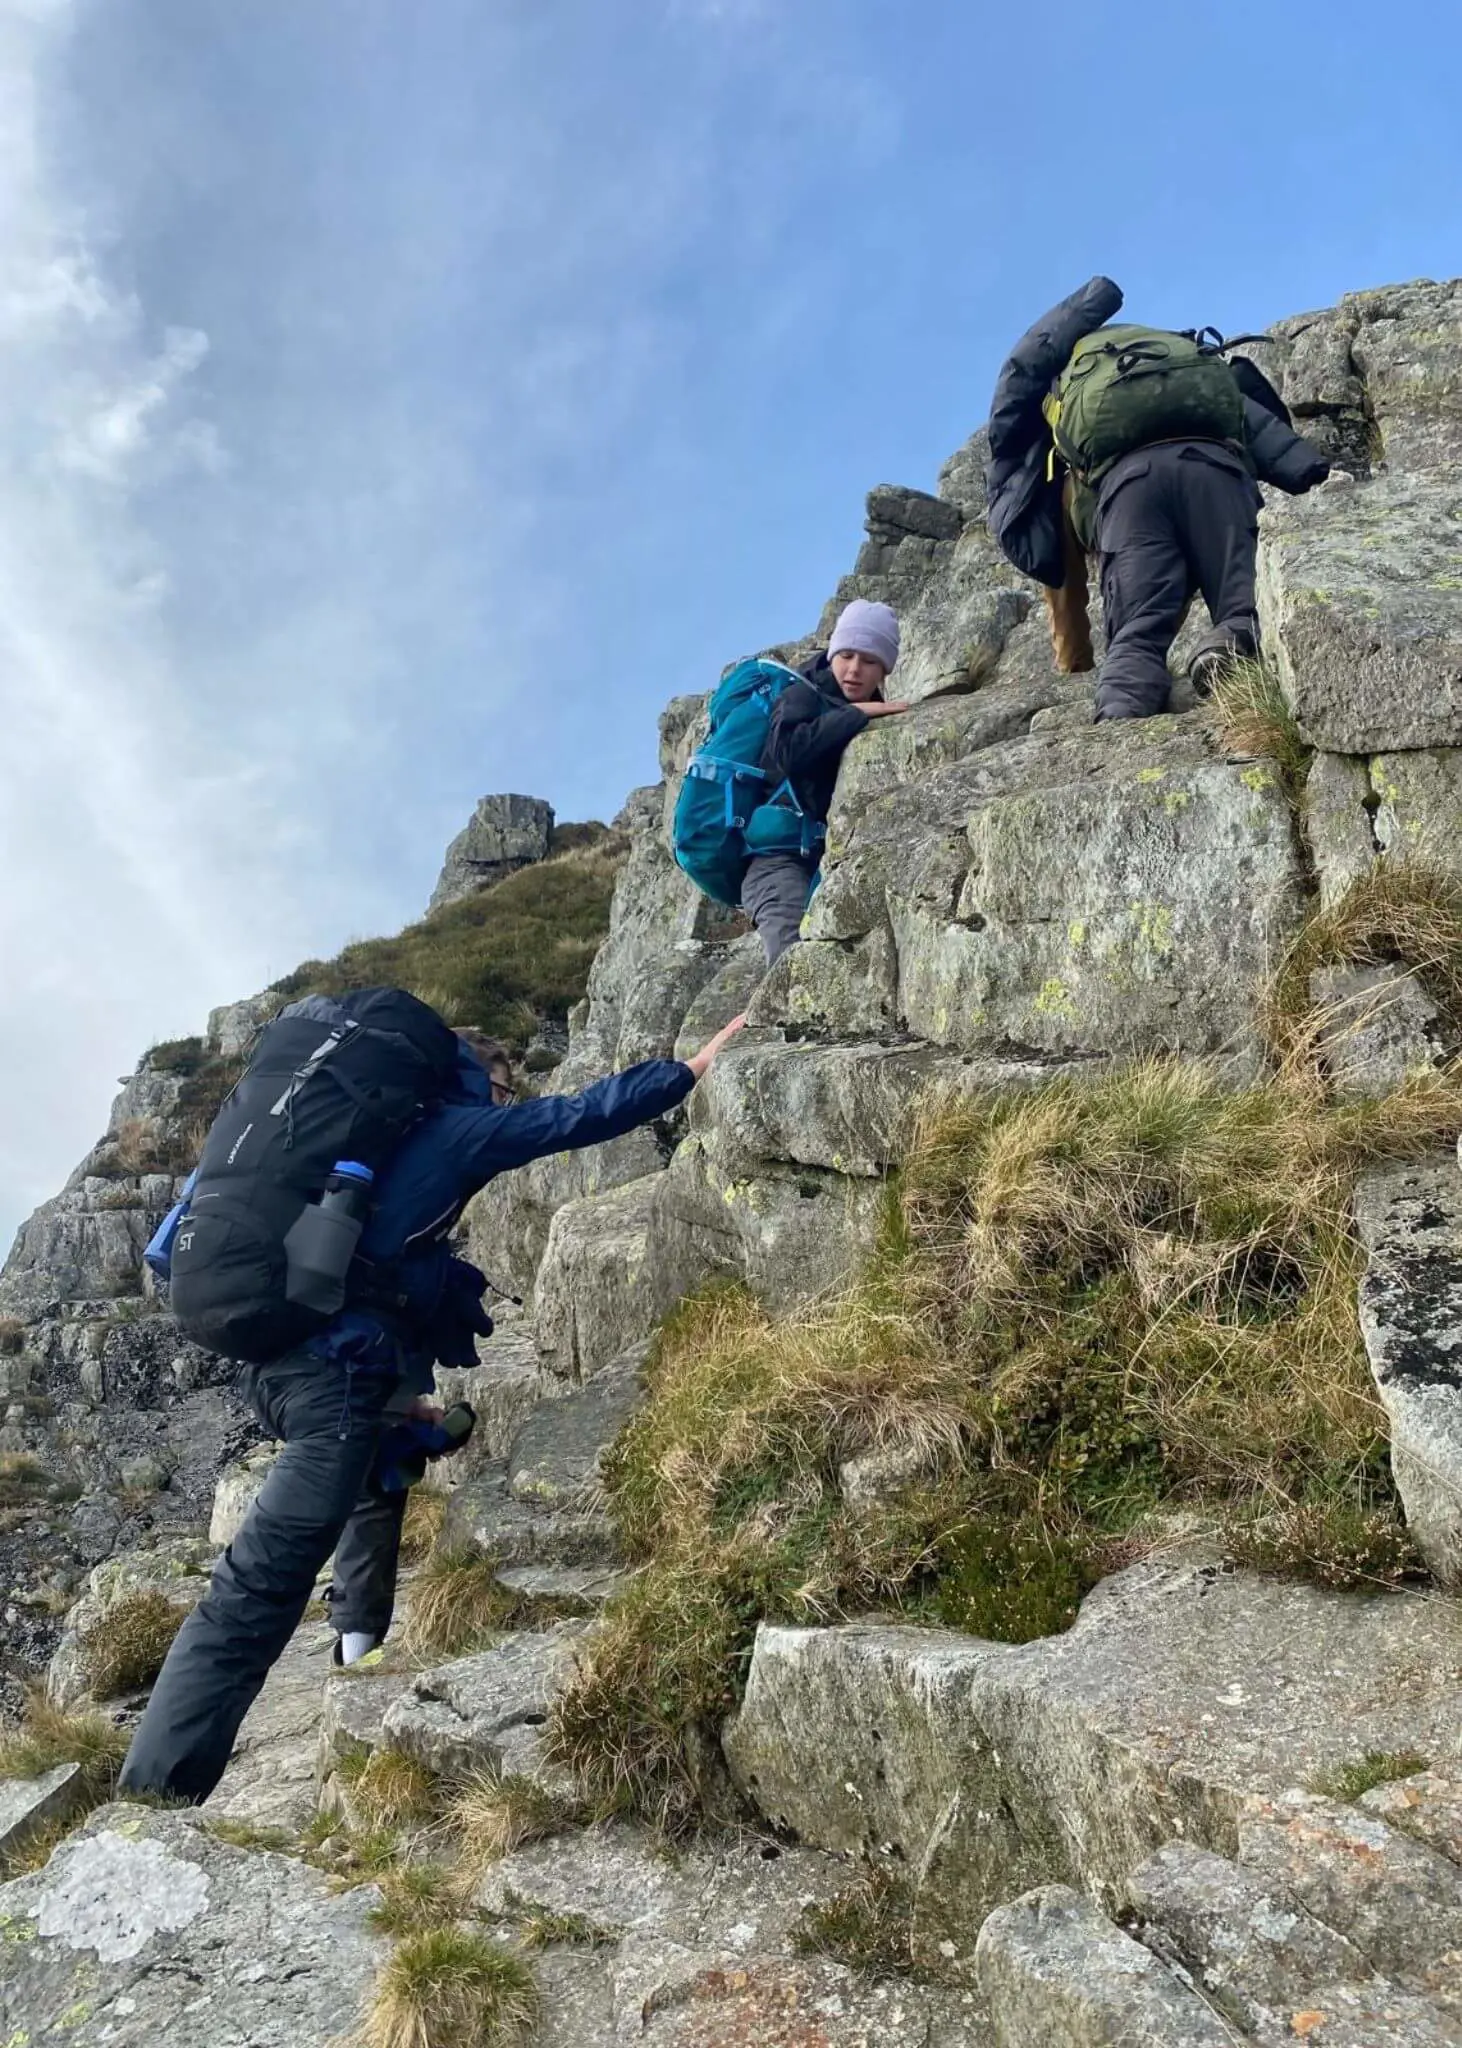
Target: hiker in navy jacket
(336, 1399)
(812, 725)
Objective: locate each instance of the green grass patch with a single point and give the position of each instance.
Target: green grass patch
(415, 1898)
(1377, 1767)
(1093, 1305)
(541, 1926)
(246, 1834)
(503, 959)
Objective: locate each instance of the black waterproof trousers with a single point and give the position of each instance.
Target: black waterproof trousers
(1179, 517)
(321, 1496)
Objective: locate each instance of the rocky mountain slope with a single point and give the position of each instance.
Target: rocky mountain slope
(1224, 1805)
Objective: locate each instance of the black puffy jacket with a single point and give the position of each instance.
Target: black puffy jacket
(1024, 504)
(1281, 456)
(812, 724)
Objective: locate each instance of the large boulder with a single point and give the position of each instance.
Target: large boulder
(503, 834)
(1359, 591)
(1115, 889)
(1178, 1695)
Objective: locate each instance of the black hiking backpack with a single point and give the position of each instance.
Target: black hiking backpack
(329, 1080)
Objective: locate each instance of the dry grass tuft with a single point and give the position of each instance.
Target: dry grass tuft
(416, 1897)
(49, 1736)
(1400, 912)
(1250, 714)
(488, 1817)
(1110, 1299)
(392, 1791)
(422, 1525)
(449, 1988)
(456, 1605)
(126, 1648)
(868, 1925)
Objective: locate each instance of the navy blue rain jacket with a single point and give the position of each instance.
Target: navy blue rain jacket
(435, 1172)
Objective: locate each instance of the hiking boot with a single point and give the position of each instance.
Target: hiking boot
(1208, 668)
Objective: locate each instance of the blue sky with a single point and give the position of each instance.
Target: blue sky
(399, 403)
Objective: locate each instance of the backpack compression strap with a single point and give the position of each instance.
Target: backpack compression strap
(729, 772)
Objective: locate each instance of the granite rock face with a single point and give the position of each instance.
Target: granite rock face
(143, 1928)
(1410, 1218)
(1178, 1695)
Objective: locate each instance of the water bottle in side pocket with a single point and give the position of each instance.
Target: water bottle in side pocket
(321, 1242)
(159, 1253)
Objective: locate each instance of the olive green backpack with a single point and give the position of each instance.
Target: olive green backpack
(1124, 387)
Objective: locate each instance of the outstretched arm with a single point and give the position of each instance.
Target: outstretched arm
(491, 1141)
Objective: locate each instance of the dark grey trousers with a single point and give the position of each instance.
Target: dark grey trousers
(321, 1496)
(774, 896)
(1171, 520)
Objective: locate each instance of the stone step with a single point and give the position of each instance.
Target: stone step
(485, 1516)
(1255, 1952)
(1427, 1805)
(1058, 1974)
(991, 1768)
(700, 1948)
(556, 1456)
(565, 1587)
(488, 1712)
(144, 1927)
(1398, 1901)
(29, 1804)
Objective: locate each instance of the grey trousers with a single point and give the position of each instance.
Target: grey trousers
(774, 896)
(321, 1496)
(1171, 520)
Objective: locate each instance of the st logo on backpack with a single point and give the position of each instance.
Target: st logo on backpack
(725, 813)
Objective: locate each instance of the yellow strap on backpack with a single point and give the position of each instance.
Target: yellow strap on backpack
(1051, 407)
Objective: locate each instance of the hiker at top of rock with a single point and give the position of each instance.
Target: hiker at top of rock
(812, 723)
(351, 1400)
(1142, 448)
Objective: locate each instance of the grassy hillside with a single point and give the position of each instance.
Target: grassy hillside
(507, 959)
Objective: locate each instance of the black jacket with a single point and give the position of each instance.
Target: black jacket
(1024, 506)
(1280, 456)
(812, 723)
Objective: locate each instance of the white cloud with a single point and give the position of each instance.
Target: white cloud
(117, 921)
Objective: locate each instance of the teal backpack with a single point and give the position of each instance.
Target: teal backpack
(724, 815)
